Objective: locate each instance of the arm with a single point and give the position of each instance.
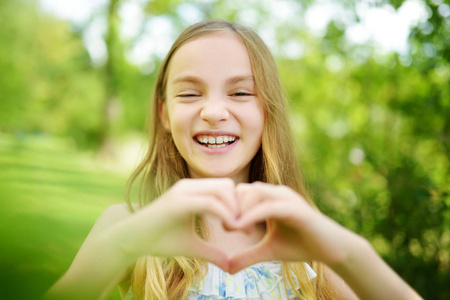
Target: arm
(369, 276)
(298, 232)
(339, 286)
(164, 227)
(98, 266)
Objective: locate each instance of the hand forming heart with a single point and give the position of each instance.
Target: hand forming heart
(295, 230)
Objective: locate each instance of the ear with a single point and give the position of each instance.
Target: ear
(162, 109)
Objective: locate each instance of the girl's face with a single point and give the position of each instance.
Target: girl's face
(211, 107)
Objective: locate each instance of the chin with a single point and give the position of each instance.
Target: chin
(218, 173)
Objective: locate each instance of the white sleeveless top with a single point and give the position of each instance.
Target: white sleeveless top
(261, 281)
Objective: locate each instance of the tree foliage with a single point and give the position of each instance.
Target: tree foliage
(373, 129)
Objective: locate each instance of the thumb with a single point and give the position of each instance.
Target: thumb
(212, 254)
(257, 253)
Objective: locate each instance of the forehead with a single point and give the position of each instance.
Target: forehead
(218, 55)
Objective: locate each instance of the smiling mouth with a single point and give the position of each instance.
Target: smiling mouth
(215, 141)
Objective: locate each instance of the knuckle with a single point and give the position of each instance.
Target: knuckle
(241, 187)
(258, 186)
(239, 190)
(209, 206)
(178, 183)
(284, 188)
(227, 182)
(182, 181)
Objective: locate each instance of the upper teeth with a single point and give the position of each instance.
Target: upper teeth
(215, 140)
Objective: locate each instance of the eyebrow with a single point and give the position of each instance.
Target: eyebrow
(198, 80)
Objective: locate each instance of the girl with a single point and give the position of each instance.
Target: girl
(223, 213)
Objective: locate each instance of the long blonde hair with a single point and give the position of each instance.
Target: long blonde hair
(171, 278)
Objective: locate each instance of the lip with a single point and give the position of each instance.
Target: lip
(215, 133)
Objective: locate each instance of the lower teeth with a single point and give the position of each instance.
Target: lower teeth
(216, 146)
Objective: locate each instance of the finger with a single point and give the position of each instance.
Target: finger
(250, 256)
(248, 195)
(211, 253)
(262, 212)
(252, 194)
(229, 227)
(190, 244)
(210, 204)
(236, 225)
(222, 188)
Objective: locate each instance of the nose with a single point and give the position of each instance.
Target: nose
(214, 111)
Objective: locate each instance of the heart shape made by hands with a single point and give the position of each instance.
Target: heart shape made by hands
(286, 235)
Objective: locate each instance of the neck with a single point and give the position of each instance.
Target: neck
(240, 177)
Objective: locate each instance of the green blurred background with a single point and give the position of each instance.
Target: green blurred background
(371, 114)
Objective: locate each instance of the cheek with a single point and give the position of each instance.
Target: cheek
(180, 122)
(256, 119)
(254, 123)
(175, 116)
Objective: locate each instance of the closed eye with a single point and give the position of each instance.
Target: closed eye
(242, 94)
(188, 95)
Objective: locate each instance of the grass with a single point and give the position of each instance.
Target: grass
(50, 196)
